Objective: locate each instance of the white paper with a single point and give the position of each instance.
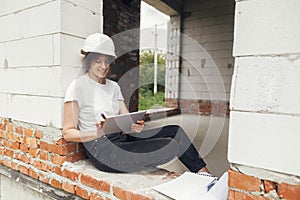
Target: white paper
(218, 192)
(186, 186)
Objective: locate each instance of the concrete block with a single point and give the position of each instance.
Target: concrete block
(31, 22)
(46, 111)
(95, 6)
(215, 96)
(78, 21)
(37, 51)
(267, 141)
(267, 84)
(35, 81)
(3, 105)
(266, 27)
(11, 80)
(2, 54)
(12, 6)
(70, 50)
(201, 87)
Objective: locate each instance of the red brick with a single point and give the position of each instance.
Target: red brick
(230, 195)
(76, 156)
(24, 148)
(121, 194)
(235, 195)
(15, 166)
(3, 126)
(68, 187)
(83, 193)
(43, 178)
(30, 141)
(269, 186)
(7, 163)
(15, 145)
(44, 155)
(94, 196)
(33, 174)
(56, 183)
(38, 134)
(23, 169)
(12, 136)
(9, 153)
(57, 159)
(34, 152)
(25, 158)
(58, 149)
(70, 175)
(243, 182)
(42, 166)
(2, 150)
(10, 128)
(63, 149)
(44, 145)
(94, 183)
(7, 143)
(28, 132)
(19, 129)
(2, 134)
(61, 141)
(58, 171)
(288, 191)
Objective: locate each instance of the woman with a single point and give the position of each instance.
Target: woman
(93, 94)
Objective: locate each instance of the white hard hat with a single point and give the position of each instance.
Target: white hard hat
(99, 43)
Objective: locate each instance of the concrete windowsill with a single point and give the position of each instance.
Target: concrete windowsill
(136, 183)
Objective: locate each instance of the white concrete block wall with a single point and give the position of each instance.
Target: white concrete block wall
(11, 6)
(207, 50)
(34, 21)
(43, 81)
(267, 84)
(264, 117)
(41, 43)
(267, 141)
(279, 36)
(79, 21)
(47, 111)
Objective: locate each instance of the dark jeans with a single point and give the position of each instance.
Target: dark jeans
(143, 151)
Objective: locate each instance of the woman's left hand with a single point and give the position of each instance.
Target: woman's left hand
(138, 126)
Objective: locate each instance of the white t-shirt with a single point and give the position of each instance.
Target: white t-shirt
(93, 99)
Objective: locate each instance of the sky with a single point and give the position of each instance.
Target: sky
(149, 17)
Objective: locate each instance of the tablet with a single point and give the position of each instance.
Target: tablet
(122, 122)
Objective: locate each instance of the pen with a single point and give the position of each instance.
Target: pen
(103, 116)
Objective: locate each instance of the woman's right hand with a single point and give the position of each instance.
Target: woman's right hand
(99, 126)
(100, 123)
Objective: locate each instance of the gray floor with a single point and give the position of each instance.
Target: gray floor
(210, 136)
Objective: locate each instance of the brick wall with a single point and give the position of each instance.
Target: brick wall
(41, 153)
(243, 187)
(121, 17)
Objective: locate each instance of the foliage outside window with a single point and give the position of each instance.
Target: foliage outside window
(148, 100)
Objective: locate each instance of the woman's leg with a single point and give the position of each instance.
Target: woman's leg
(119, 155)
(188, 154)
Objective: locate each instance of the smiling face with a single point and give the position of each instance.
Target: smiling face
(99, 67)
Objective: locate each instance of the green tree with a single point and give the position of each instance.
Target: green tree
(147, 70)
(146, 97)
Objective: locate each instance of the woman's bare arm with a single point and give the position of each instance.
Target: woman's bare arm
(123, 108)
(70, 131)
